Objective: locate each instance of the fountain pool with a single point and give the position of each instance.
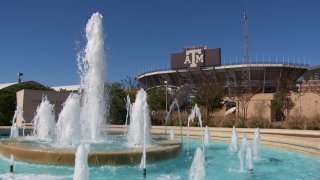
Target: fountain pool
(220, 164)
(118, 156)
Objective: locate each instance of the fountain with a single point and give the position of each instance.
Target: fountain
(44, 120)
(242, 153)
(83, 120)
(128, 108)
(92, 66)
(146, 123)
(256, 144)
(68, 125)
(174, 103)
(14, 131)
(198, 170)
(81, 168)
(195, 113)
(249, 157)
(233, 147)
(61, 150)
(245, 155)
(172, 136)
(140, 117)
(206, 139)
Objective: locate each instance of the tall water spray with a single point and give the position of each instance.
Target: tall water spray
(194, 113)
(172, 135)
(242, 153)
(81, 168)
(14, 128)
(197, 170)
(256, 143)
(128, 108)
(92, 68)
(44, 120)
(144, 154)
(245, 155)
(249, 157)
(207, 136)
(14, 131)
(68, 125)
(174, 103)
(140, 113)
(233, 147)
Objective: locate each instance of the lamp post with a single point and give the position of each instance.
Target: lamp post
(166, 83)
(20, 74)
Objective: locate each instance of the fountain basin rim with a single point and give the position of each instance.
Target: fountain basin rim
(62, 156)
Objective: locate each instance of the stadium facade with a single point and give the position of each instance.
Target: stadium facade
(199, 64)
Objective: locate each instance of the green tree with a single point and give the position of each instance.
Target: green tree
(8, 99)
(281, 104)
(210, 96)
(117, 104)
(157, 98)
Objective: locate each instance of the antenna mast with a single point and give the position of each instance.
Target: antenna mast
(245, 38)
(246, 74)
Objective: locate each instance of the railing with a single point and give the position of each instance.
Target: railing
(284, 61)
(291, 63)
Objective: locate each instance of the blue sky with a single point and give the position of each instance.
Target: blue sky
(41, 38)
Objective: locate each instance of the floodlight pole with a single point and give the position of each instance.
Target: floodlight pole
(20, 74)
(166, 83)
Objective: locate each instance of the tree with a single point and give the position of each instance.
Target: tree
(117, 104)
(244, 100)
(8, 99)
(182, 94)
(131, 83)
(210, 96)
(281, 104)
(157, 98)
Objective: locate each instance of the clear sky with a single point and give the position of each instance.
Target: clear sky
(41, 38)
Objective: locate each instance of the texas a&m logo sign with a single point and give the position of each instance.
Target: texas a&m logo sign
(196, 57)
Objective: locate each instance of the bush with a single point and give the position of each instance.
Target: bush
(158, 117)
(313, 123)
(228, 121)
(295, 122)
(255, 122)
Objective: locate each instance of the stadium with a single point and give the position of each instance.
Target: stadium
(199, 64)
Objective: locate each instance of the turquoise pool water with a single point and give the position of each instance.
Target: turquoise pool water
(116, 142)
(220, 164)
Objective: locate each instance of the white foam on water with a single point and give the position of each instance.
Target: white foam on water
(13, 176)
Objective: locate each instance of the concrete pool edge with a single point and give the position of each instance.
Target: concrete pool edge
(27, 153)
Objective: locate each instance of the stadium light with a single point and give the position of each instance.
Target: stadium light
(20, 74)
(166, 83)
